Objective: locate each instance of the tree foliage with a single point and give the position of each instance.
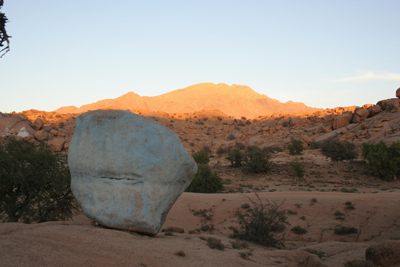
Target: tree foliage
(34, 183)
(382, 159)
(205, 181)
(236, 158)
(257, 159)
(338, 151)
(262, 224)
(4, 37)
(295, 147)
(201, 157)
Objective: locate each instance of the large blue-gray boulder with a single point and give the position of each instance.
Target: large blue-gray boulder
(127, 171)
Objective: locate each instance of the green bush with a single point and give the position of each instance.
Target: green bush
(236, 158)
(261, 224)
(201, 157)
(257, 160)
(34, 183)
(298, 230)
(296, 147)
(205, 181)
(382, 159)
(339, 151)
(343, 230)
(298, 168)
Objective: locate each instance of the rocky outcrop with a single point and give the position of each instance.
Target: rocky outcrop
(342, 120)
(127, 171)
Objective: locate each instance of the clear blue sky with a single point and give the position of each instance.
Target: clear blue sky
(323, 53)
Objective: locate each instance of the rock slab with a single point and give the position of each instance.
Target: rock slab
(127, 171)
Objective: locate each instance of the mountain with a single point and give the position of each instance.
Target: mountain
(235, 100)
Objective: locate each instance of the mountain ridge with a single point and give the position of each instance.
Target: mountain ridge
(234, 100)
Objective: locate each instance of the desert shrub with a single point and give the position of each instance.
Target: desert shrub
(248, 122)
(343, 230)
(351, 190)
(205, 181)
(358, 263)
(382, 159)
(214, 243)
(180, 253)
(263, 224)
(296, 147)
(240, 145)
(338, 151)
(257, 160)
(201, 157)
(298, 168)
(236, 158)
(314, 145)
(34, 183)
(245, 206)
(338, 213)
(298, 230)
(237, 244)
(221, 151)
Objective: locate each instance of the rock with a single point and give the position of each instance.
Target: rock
(384, 254)
(57, 144)
(360, 114)
(18, 126)
(327, 128)
(22, 117)
(47, 128)
(23, 133)
(41, 135)
(378, 125)
(54, 132)
(174, 230)
(127, 171)
(194, 232)
(398, 93)
(392, 104)
(296, 121)
(311, 261)
(6, 123)
(329, 117)
(306, 139)
(39, 123)
(342, 120)
(374, 110)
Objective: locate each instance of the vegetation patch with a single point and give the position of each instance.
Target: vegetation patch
(296, 147)
(205, 181)
(263, 224)
(298, 230)
(338, 151)
(343, 230)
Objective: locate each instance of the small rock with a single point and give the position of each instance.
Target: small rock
(54, 132)
(47, 128)
(39, 123)
(41, 135)
(194, 232)
(56, 144)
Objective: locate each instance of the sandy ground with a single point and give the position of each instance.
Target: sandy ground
(82, 243)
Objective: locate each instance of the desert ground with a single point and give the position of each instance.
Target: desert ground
(318, 203)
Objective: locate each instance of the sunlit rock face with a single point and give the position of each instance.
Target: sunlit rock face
(127, 171)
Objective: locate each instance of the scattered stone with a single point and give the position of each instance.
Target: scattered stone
(384, 254)
(57, 144)
(41, 135)
(127, 171)
(374, 110)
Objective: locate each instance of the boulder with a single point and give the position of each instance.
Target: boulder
(6, 123)
(392, 104)
(398, 93)
(57, 144)
(47, 128)
(127, 171)
(374, 110)
(54, 132)
(23, 133)
(41, 135)
(18, 126)
(342, 120)
(384, 254)
(359, 115)
(39, 123)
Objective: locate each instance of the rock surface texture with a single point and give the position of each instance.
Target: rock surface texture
(127, 171)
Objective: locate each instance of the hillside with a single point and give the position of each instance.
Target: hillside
(235, 100)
